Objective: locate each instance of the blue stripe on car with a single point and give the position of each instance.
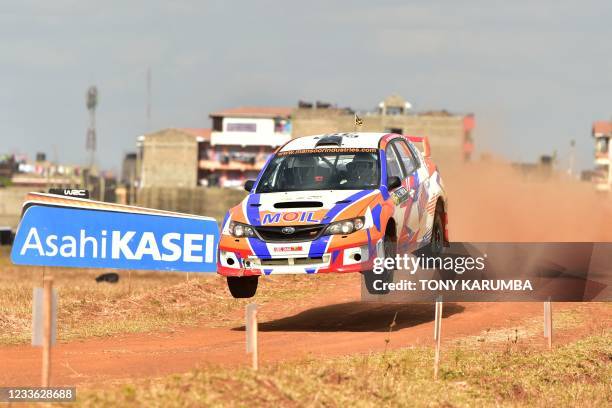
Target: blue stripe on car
(383, 175)
(334, 255)
(383, 167)
(225, 219)
(335, 210)
(376, 215)
(252, 209)
(318, 246)
(259, 248)
(252, 212)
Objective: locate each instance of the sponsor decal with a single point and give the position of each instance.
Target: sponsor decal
(293, 216)
(329, 150)
(70, 192)
(400, 195)
(293, 248)
(72, 237)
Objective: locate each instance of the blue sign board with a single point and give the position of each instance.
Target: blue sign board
(83, 238)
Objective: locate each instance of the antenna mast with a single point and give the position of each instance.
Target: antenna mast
(149, 99)
(90, 144)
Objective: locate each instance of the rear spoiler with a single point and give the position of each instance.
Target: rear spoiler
(421, 139)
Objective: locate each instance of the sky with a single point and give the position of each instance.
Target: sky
(535, 74)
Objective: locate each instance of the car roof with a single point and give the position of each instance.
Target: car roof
(349, 140)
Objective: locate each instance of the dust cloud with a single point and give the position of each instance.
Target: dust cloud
(491, 201)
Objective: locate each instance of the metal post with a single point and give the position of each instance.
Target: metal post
(437, 335)
(548, 326)
(46, 346)
(251, 334)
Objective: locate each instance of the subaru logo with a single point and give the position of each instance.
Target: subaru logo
(288, 230)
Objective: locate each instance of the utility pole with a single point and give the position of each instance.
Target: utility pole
(148, 99)
(90, 144)
(92, 103)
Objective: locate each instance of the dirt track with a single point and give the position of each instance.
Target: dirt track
(487, 203)
(317, 329)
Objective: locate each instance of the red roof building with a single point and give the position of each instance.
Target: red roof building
(602, 128)
(240, 142)
(254, 112)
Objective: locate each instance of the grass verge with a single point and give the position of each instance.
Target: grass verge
(577, 374)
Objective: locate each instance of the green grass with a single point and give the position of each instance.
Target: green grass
(577, 374)
(148, 301)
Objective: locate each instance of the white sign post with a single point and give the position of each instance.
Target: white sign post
(437, 335)
(44, 312)
(251, 333)
(548, 329)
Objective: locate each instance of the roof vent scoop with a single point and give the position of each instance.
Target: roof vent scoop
(298, 204)
(333, 140)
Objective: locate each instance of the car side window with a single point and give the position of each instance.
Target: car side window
(394, 167)
(410, 162)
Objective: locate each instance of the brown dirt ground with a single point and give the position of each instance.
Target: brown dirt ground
(488, 202)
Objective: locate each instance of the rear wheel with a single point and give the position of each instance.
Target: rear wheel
(436, 245)
(242, 286)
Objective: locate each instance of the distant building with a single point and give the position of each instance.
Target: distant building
(169, 158)
(241, 139)
(602, 175)
(128, 169)
(43, 174)
(448, 133)
(8, 167)
(240, 142)
(128, 182)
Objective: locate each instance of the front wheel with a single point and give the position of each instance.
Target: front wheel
(376, 283)
(242, 286)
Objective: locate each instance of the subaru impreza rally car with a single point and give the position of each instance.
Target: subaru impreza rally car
(333, 203)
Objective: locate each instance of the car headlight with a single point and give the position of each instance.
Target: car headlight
(240, 230)
(345, 227)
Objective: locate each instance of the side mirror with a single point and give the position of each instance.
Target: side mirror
(393, 182)
(248, 185)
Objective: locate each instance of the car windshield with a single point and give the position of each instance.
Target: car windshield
(356, 169)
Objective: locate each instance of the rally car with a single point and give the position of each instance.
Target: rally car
(333, 203)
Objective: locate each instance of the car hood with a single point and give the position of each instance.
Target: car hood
(306, 207)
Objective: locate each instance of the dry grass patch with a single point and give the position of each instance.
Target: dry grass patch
(577, 374)
(150, 301)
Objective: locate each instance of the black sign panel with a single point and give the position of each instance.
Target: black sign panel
(70, 192)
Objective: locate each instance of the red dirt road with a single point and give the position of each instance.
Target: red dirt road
(318, 328)
(487, 203)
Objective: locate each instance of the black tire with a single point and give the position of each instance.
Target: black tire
(242, 287)
(369, 277)
(436, 243)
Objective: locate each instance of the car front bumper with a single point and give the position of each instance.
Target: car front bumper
(337, 254)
